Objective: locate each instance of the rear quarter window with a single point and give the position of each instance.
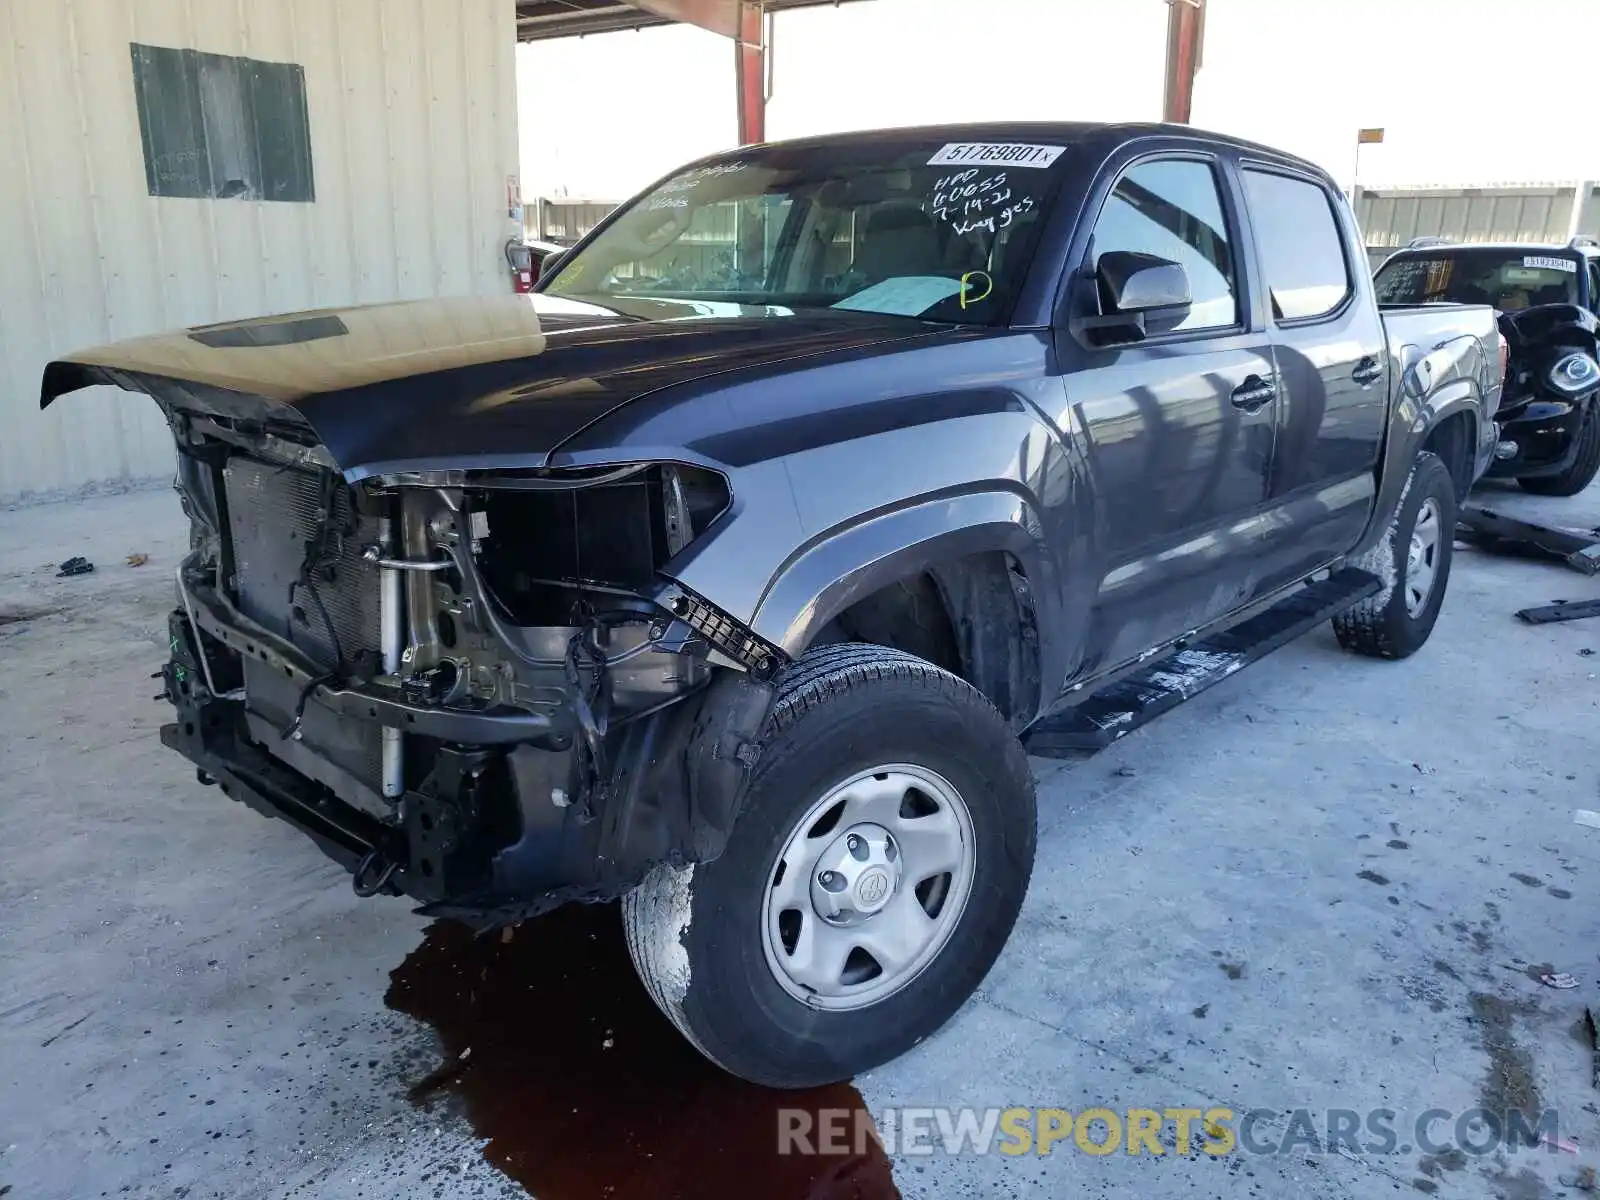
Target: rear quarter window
(1302, 250)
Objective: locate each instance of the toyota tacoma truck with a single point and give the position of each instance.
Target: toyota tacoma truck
(724, 574)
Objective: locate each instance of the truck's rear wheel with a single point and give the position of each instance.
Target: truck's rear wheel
(1413, 561)
(880, 857)
(1585, 464)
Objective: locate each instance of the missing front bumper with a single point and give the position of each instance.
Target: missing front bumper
(495, 830)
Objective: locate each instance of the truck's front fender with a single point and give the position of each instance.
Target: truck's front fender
(831, 573)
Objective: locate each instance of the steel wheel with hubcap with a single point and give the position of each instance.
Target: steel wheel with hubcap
(868, 887)
(1422, 561)
(881, 852)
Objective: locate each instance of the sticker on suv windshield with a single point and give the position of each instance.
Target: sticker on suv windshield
(1550, 264)
(999, 154)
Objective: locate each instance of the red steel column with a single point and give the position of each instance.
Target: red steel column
(750, 73)
(1185, 28)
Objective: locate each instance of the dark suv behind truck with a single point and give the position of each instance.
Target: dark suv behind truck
(723, 574)
(1549, 301)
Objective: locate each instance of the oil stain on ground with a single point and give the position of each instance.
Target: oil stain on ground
(1509, 1085)
(583, 1089)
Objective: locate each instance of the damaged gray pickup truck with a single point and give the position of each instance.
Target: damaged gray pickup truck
(725, 574)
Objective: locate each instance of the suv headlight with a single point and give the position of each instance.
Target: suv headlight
(1574, 374)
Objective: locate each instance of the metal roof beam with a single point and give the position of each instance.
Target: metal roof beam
(538, 20)
(542, 20)
(719, 16)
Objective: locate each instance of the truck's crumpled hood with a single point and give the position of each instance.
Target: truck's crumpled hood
(481, 381)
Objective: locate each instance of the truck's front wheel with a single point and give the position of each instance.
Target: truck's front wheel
(880, 857)
(1413, 561)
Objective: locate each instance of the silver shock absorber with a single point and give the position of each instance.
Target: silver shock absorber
(391, 633)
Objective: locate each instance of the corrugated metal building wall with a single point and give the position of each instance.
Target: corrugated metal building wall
(565, 221)
(1391, 217)
(412, 123)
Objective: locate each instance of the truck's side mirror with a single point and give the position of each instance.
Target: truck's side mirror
(1141, 283)
(1139, 294)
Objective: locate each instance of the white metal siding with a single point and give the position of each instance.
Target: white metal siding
(1392, 217)
(413, 131)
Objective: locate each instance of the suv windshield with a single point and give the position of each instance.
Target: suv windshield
(940, 231)
(1509, 280)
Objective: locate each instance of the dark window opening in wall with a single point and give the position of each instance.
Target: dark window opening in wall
(220, 127)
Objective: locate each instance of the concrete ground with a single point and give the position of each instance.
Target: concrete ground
(1327, 883)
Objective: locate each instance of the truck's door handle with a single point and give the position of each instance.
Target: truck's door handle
(1368, 371)
(1254, 392)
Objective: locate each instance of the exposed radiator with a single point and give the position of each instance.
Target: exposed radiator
(273, 515)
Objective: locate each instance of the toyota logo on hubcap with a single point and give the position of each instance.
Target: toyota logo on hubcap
(873, 888)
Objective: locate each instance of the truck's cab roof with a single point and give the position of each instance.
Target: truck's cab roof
(1098, 137)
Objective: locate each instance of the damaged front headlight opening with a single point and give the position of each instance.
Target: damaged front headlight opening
(547, 541)
(563, 571)
(556, 601)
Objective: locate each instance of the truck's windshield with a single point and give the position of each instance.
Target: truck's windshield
(940, 231)
(1510, 280)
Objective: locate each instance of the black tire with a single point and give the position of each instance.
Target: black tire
(1584, 467)
(1382, 626)
(696, 934)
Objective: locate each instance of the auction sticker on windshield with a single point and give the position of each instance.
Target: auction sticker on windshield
(1008, 154)
(1551, 264)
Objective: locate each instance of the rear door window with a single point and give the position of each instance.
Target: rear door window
(1171, 208)
(1302, 250)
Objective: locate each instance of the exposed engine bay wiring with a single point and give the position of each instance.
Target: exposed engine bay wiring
(324, 549)
(590, 690)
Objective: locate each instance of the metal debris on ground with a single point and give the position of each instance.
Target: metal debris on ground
(1561, 610)
(1488, 530)
(137, 560)
(1586, 816)
(1558, 979)
(76, 565)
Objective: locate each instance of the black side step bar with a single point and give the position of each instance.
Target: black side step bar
(1123, 706)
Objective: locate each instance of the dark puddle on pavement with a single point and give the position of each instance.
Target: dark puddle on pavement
(584, 1089)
